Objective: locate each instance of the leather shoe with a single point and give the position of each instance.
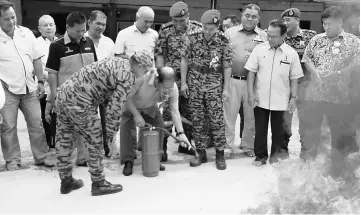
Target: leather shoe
(128, 168)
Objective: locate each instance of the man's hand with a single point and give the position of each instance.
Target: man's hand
(139, 121)
(225, 95)
(328, 75)
(252, 100)
(316, 76)
(48, 109)
(41, 90)
(292, 105)
(184, 138)
(184, 90)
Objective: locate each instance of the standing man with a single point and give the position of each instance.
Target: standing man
(273, 90)
(19, 58)
(208, 55)
(244, 39)
(47, 29)
(103, 46)
(167, 53)
(330, 58)
(66, 56)
(76, 107)
(230, 21)
(298, 39)
(137, 37)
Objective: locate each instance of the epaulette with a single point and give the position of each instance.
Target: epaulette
(194, 32)
(167, 26)
(194, 22)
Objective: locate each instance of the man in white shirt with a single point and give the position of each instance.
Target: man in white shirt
(47, 28)
(137, 37)
(103, 47)
(17, 64)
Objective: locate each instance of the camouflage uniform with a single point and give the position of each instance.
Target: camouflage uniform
(205, 82)
(76, 106)
(169, 45)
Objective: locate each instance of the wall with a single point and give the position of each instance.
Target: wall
(18, 11)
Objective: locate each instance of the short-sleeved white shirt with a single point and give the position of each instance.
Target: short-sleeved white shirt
(130, 40)
(104, 48)
(275, 68)
(16, 63)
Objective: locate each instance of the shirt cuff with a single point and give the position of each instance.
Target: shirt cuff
(251, 69)
(51, 71)
(294, 77)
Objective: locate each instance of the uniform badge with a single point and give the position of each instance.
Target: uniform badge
(182, 12)
(302, 43)
(215, 20)
(290, 13)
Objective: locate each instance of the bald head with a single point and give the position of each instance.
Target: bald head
(145, 18)
(166, 76)
(47, 27)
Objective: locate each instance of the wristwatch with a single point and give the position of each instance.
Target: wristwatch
(179, 133)
(41, 82)
(294, 97)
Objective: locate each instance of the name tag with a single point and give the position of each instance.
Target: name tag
(284, 62)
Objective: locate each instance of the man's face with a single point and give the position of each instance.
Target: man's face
(145, 21)
(291, 23)
(275, 38)
(8, 20)
(250, 19)
(180, 23)
(332, 26)
(77, 31)
(47, 28)
(227, 24)
(98, 26)
(209, 30)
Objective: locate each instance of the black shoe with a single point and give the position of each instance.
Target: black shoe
(104, 187)
(162, 168)
(220, 161)
(283, 154)
(185, 150)
(128, 168)
(69, 184)
(197, 161)
(85, 164)
(164, 157)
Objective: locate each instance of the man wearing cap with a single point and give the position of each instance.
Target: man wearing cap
(151, 89)
(298, 39)
(76, 106)
(168, 54)
(244, 38)
(208, 56)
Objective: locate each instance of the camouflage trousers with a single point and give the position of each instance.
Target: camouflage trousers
(201, 104)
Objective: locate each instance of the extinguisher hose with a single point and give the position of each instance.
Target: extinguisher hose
(149, 126)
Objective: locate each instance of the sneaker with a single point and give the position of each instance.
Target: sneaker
(69, 184)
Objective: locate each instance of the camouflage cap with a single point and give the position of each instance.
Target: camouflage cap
(178, 10)
(144, 57)
(292, 12)
(211, 17)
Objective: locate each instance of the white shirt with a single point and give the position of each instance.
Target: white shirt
(104, 47)
(43, 44)
(2, 96)
(130, 40)
(16, 63)
(275, 69)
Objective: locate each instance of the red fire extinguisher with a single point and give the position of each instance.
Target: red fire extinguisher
(150, 144)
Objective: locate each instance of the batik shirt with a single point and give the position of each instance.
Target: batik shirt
(332, 54)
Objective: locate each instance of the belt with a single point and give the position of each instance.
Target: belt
(243, 78)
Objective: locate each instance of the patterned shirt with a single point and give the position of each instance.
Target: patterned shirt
(332, 54)
(169, 43)
(207, 57)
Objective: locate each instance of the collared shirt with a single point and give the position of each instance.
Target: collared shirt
(169, 43)
(215, 54)
(2, 96)
(300, 41)
(16, 60)
(275, 68)
(332, 54)
(242, 44)
(67, 57)
(130, 39)
(43, 44)
(104, 48)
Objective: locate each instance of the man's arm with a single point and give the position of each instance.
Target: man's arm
(38, 69)
(184, 70)
(252, 65)
(52, 67)
(160, 48)
(173, 106)
(227, 78)
(119, 46)
(227, 58)
(185, 54)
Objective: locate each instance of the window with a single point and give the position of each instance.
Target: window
(305, 24)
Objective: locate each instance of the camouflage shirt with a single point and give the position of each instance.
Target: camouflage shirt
(169, 43)
(332, 54)
(300, 41)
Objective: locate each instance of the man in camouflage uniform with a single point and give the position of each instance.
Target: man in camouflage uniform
(76, 106)
(208, 55)
(167, 52)
(298, 39)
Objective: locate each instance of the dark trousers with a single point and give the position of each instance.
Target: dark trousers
(241, 126)
(261, 117)
(102, 112)
(49, 128)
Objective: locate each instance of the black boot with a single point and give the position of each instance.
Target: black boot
(197, 161)
(128, 168)
(161, 168)
(185, 150)
(104, 187)
(164, 157)
(220, 161)
(69, 184)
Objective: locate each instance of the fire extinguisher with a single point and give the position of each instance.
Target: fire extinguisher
(150, 143)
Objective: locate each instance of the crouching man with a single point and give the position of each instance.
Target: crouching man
(143, 108)
(76, 107)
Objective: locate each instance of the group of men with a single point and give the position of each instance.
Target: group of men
(199, 74)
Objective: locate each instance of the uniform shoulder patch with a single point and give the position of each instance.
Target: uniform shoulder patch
(194, 22)
(167, 25)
